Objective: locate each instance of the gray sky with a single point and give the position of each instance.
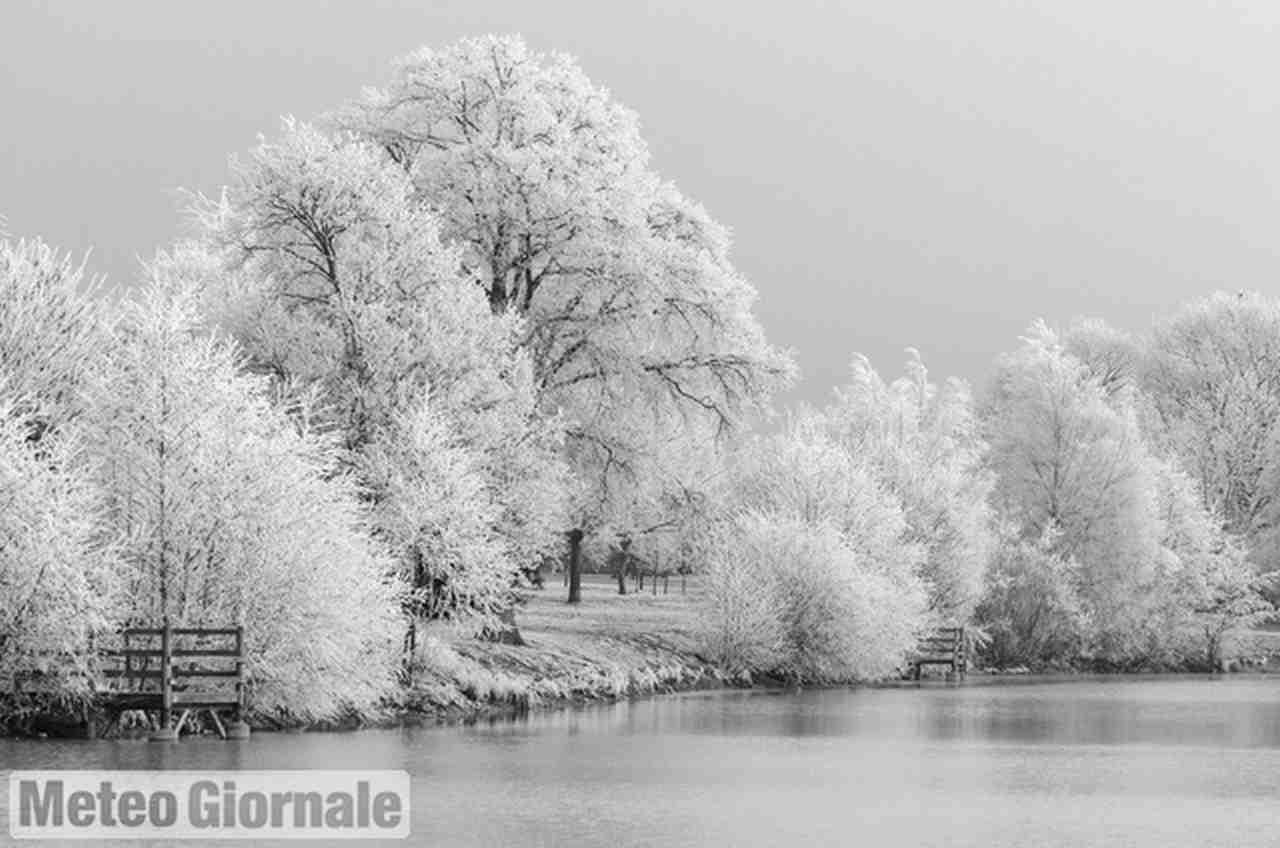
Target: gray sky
(932, 174)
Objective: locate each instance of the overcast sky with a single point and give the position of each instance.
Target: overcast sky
(896, 174)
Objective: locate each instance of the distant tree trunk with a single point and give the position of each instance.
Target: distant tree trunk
(410, 648)
(575, 566)
(622, 564)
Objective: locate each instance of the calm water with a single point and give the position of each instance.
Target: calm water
(1133, 762)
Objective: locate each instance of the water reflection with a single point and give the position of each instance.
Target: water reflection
(1155, 761)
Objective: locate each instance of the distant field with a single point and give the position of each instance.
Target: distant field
(605, 613)
(607, 646)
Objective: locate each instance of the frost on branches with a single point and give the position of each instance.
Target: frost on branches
(926, 448)
(51, 329)
(334, 281)
(57, 566)
(811, 575)
(57, 561)
(1149, 560)
(638, 328)
(229, 511)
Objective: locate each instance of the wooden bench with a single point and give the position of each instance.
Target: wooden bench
(942, 646)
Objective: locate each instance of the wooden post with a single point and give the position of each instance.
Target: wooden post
(128, 662)
(166, 675)
(239, 672)
(166, 733)
(238, 728)
(575, 566)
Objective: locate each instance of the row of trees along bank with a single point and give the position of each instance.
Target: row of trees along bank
(460, 327)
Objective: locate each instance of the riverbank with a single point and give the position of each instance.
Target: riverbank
(615, 646)
(608, 647)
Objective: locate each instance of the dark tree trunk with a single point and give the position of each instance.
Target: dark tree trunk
(575, 566)
(505, 631)
(622, 564)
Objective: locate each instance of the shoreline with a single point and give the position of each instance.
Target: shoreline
(498, 712)
(612, 648)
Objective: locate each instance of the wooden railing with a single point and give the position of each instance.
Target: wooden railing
(178, 670)
(165, 672)
(942, 646)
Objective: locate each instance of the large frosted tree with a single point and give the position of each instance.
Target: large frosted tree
(333, 278)
(638, 327)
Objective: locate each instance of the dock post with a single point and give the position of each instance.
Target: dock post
(238, 728)
(166, 732)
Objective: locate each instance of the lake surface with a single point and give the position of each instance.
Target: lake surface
(1118, 761)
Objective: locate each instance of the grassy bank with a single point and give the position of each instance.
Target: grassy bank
(609, 646)
(612, 646)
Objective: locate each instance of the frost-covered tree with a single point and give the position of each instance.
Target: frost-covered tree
(438, 514)
(1213, 379)
(926, 447)
(794, 599)
(638, 327)
(741, 629)
(331, 277)
(51, 328)
(1031, 612)
(1073, 465)
(57, 562)
(231, 511)
(827, 545)
(56, 555)
(1204, 587)
(1112, 357)
(1116, 525)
